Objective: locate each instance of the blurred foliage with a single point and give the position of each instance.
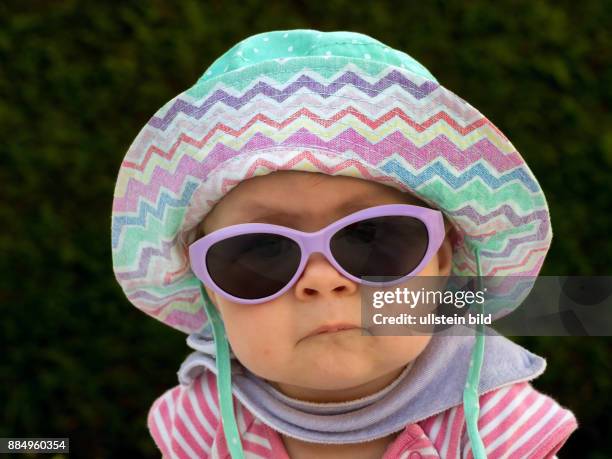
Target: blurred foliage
(78, 80)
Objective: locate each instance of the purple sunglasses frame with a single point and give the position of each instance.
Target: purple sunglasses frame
(318, 241)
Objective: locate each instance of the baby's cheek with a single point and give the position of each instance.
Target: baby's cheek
(259, 336)
(404, 348)
(260, 351)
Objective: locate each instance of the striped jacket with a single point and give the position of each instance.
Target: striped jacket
(515, 422)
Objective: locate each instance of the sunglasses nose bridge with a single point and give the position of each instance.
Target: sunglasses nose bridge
(314, 242)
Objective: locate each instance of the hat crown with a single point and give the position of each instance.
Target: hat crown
(281, 45)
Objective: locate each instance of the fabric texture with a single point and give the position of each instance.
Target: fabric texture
(338, 103)
(516, 421)
(434, 383)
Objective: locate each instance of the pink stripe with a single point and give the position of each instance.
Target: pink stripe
(428, 423)
(456, 430)
(501, 426)
(406, 439)
(420, 442)
(164, 412)
(221, 440)
(254, 427)
(176, 392)
(191, 414)
(181, 426)
(178, 450)
(490, 415)
(493, 413)
(548, 405)
(448, 425)
(221, 444)
(177, 395)
(483, 399)
(256, 448)
(442, 432)
(202, 402)
(211, 380)
(248, 417)
(258, 428)
(249, 446)
(543, 434)
(553, 444)
(154, 429)
(278, 448)
(168, 417)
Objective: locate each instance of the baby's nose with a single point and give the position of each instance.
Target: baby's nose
(321, 278)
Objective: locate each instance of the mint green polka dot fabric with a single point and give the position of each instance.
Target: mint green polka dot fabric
(283, 45)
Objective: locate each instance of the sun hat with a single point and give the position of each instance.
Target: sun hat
(338, 103)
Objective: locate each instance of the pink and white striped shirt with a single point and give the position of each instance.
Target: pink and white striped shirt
(515, 422)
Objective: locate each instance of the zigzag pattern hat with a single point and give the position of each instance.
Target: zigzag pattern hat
(338, 103)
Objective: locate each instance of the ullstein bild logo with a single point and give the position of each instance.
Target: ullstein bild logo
(509, 305)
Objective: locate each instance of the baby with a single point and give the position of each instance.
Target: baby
(272, 340)
(365, 166)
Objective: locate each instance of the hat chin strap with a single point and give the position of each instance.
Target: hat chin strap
(224, 381)
(471, 406)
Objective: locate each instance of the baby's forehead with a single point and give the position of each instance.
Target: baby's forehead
(276, 188)
(285, 197)
(310, 192)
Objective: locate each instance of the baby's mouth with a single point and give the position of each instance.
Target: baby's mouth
(333, 328)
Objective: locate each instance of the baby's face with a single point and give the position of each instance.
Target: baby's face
(270, 339)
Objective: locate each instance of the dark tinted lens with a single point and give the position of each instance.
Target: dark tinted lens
(390, 246)
(252, 266)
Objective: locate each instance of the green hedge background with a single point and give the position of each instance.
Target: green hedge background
(78, 80)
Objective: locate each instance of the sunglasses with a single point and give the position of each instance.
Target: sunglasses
(252, 263)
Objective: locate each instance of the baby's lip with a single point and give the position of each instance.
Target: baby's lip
(332, 327)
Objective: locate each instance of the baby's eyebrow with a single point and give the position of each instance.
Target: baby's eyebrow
(260, 211)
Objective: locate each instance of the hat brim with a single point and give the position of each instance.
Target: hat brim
(336, 116)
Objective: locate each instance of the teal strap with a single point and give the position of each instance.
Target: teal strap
(224, 380)
(471, 407)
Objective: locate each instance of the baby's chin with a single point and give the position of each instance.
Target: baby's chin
(331, 366)
(338, 385)
(339, 371)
